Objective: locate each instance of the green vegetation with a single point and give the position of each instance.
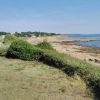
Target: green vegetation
(71, 66)
(29, 34)
(1, 40)
(32, 80)
(45, 45)
(9, 39)
(4, 33)
(3, 49)
(23, 50)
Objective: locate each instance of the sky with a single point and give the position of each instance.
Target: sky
(59, 16)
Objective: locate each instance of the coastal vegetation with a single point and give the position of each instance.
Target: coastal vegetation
(32, 80)
(3, 50)
(71, 66)
(45, 45)
(9, 39)
(4, 33)
(45, 53)
(29, 34)
(23, 50)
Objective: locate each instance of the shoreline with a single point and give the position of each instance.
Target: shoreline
(69, 47)
(88, 54)
(78, 43)
(74, 51)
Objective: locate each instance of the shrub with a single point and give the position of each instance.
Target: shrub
(23, 50)
(3, 50)
(45, 45)
(9, 39)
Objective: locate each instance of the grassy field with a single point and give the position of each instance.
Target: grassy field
(31, 80)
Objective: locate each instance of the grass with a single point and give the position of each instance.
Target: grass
(45, 45)
(32, 80)
(3, 49)
(66, 63)
(1, 40)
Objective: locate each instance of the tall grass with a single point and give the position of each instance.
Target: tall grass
(3, 49)
(9, 39)
(45, 45)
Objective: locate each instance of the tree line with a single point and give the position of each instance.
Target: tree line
(4, 33)
(29, 34)
(37, 34)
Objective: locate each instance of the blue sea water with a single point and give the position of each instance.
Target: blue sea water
(86, 36)
(95, 37)
(90, 43)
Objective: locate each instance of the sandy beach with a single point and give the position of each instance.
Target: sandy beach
(88, 54)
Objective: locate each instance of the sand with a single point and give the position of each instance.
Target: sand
(51, 39)
(74, 50)
(84, 53)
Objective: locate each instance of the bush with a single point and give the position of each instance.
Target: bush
(23, 50)
(45, 45)
(3, 50)
(9, 39)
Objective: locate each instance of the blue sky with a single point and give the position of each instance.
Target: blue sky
(60, 16)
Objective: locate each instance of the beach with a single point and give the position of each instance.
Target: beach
(88, 54)
(77, 52)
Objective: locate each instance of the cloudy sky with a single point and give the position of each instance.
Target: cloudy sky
(60, 16)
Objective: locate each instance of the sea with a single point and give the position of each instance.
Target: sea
(94, 39)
